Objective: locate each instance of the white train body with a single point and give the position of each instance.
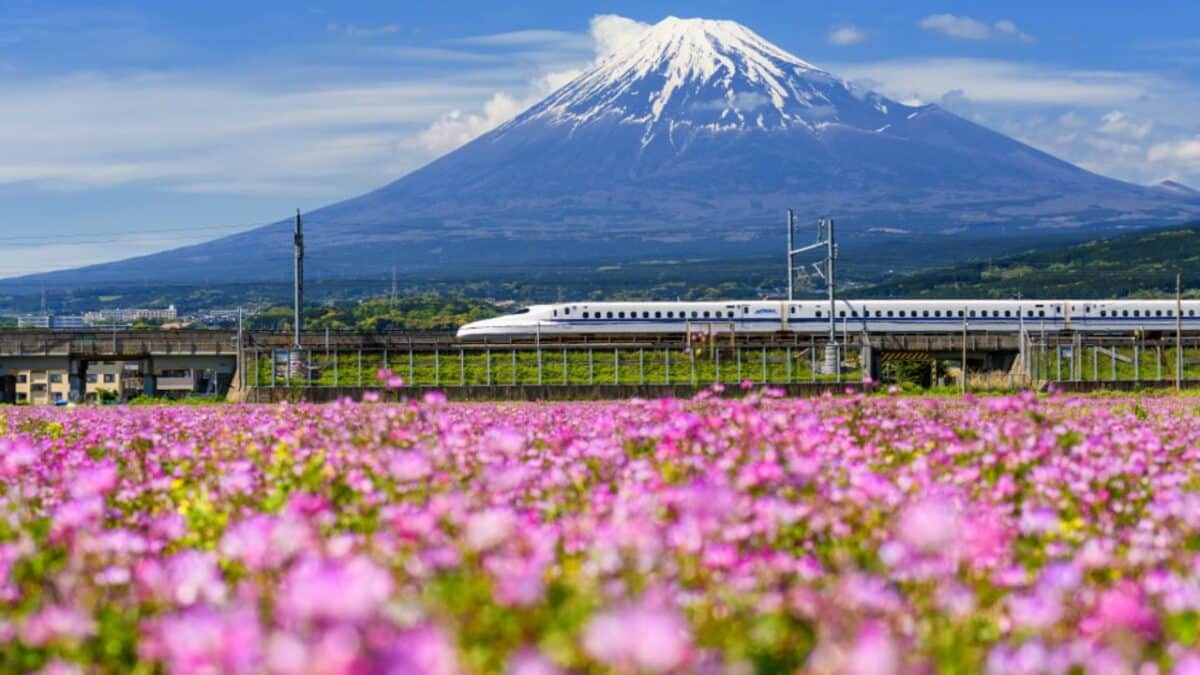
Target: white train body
(851, 316)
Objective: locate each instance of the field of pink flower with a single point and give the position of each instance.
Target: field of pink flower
(864, 535)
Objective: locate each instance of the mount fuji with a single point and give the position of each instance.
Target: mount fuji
(690, 142)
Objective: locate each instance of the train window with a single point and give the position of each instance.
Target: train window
(585, 315)
(670, 315)
(854, 313)
(818, 312)
(972, 313)
(791, 310)
(567, 311)
(842, 313)
(1042, 313)
(1158, 312)
(745, 310)
(960, 313)
(731, 314)
(706, 314)
(1103, 312)
(902, 313)
(620, 315)
(1137, 312)
(695, 314)
(937, 313)
(658, 315)
(556, 312)
(1191, 312)
(889, 313)
(610, 315)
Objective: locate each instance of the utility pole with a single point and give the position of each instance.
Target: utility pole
(825, 270)
(299, 280)
(1178, 332)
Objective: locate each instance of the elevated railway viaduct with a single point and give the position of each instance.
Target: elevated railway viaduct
(264, 365)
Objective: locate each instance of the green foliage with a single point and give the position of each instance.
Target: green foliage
(1143, 264)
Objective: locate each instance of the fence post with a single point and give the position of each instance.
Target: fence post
(487, 354)
(1158, 359)
(616, 366)
(788, 351)
(514, 366)
(717, 361)
(641, 365)
(667, 362)
(308, 367)
(360, 366)
(1137, 362)
(462, 367)
(1095, 363)
(591, 366)
(412, 366)
(737, 351)
(764, 365)
(437, 366)
(566, 380)
(337, 356)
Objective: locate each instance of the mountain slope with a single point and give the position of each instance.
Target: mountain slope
(1139, 264)
(691, 142)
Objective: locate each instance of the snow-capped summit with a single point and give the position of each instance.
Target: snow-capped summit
(688, 142)
(687, 74)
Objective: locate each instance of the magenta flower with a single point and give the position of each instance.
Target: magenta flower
(638, 637)
(349, 589)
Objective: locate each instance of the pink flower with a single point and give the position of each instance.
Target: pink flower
(56, 623)
(638, 637)
(1122, 608)
(350, 589)
(96, 480)
(531, 662)
(489, 528)
(874, 653)
(203, 640)
(929, 526)
(424, 650)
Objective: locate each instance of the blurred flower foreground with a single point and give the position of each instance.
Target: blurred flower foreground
(861, 535)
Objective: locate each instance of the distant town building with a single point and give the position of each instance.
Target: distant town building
(52, 321)
(130, 315)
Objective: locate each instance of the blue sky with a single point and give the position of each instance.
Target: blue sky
(132, 127)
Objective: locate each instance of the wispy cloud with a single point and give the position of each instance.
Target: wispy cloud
(845, 36)
(967, 28)
(362, 32)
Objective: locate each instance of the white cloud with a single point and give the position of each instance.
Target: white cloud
(1186, 151)
(846, 36)
(610, 32)
(967, 28)
(1116, 123)
(994, 81)
(606, 33)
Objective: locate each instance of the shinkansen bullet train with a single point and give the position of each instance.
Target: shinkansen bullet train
(850, 316)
